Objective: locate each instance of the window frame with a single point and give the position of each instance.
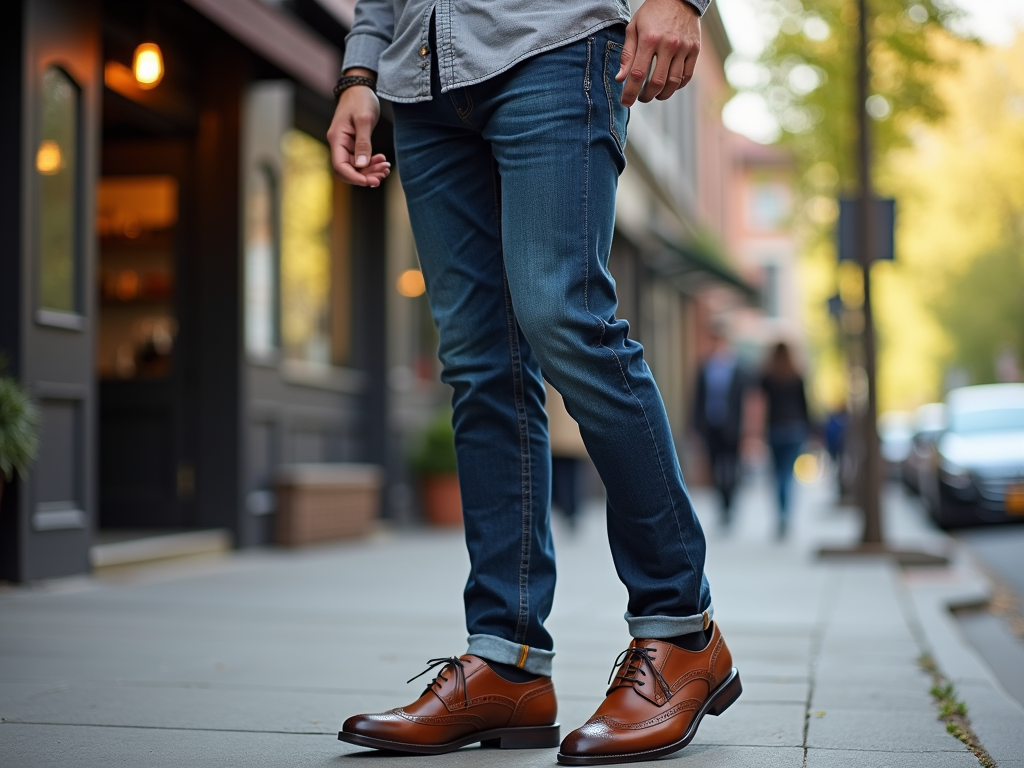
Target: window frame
(271, 176)
(74, 319)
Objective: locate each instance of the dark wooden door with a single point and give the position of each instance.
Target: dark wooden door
(146, 475)
(46, 276)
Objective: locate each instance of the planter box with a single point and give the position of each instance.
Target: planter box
(321, 502)
(442, 500)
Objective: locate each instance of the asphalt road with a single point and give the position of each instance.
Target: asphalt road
(1001, 550)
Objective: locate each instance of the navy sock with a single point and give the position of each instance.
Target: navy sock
(511, 673)
(693, 641)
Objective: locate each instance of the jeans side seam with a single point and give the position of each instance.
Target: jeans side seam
(519, 399)
(586, 186)
(600, 342)
(661, 465)
(608, 93)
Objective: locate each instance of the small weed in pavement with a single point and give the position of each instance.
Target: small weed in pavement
(953, 712)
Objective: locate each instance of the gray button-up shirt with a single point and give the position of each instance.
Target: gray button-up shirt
(476, 39)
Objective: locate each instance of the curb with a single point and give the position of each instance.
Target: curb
(997, 719)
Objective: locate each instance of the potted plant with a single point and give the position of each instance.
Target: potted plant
(19, 420)
(434, 461)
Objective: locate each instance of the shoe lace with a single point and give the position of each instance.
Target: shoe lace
(631, 662)
(458, 668)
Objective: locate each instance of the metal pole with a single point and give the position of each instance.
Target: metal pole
(871, 474)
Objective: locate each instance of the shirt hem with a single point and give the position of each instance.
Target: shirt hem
(466, 83)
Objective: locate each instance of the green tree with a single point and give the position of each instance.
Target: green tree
(983, 309)
(811, 66)
(808, 78)
(961, 240)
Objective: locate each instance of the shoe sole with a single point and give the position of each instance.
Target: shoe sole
(720, 700)
(535, 737)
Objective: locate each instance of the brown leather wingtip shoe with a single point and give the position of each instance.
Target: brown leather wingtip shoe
(655, 703)
(466, 703)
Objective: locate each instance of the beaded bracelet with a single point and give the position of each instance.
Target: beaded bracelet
(349, 80)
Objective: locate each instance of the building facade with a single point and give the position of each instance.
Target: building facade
(186, 290)
(195, 300)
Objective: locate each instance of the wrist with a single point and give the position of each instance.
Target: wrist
(694, 6)
(351, 80)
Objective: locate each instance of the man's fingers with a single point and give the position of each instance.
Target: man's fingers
(690, 65)
(362, 151)
(658, 81)
(676, 78)
(628, 52)
(639, 68)
(351, 175)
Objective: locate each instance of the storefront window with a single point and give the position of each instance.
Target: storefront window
(307, 204)
(56, 164)
(136, 220)
(261, 265)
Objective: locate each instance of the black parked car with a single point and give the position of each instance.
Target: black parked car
(976, 471)
(929, 424)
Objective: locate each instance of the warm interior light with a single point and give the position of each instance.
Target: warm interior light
(127, 285)
(148, 65)
(48, 159)
(410, 283)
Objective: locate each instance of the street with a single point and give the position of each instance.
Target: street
(1000, 550)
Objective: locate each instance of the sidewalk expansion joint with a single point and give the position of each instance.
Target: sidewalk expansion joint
(953, 711)
(4, 721)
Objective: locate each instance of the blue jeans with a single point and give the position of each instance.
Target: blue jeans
(786, 442)
(510, 185)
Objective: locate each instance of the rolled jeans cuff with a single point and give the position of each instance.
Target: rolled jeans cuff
(661, 627)
(491, 648)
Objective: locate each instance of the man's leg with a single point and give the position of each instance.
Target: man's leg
(557, 127)
(500, 425)
(502, 445)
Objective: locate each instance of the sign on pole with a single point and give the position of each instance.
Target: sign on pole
(848, 232)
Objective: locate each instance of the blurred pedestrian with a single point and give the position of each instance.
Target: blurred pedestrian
(835, 443)
(718, 416)
(788, 423)
(510, 128)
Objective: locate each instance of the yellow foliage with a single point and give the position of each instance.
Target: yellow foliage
(306, 209)
(960, 193)
(960, 187)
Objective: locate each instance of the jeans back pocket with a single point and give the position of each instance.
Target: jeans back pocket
(618, 115)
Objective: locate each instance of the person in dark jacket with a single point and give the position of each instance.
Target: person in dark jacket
(788, 422)
(718, 418)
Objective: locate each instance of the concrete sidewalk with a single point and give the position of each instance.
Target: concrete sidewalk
(256, 659)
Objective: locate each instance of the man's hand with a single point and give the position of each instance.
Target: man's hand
(349, 136)
(668, 30)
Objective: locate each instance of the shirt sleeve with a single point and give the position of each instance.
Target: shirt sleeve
(700, 5)
(373, 28)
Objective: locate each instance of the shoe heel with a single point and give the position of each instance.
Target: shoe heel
(540, 737)
(726, 697)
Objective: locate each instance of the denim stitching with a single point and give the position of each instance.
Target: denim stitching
(425, 41)
(661, 466)
(604, 328)
(608, 92)
(519, 399)
(463, 113)
(586, 73)
(586, 188)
